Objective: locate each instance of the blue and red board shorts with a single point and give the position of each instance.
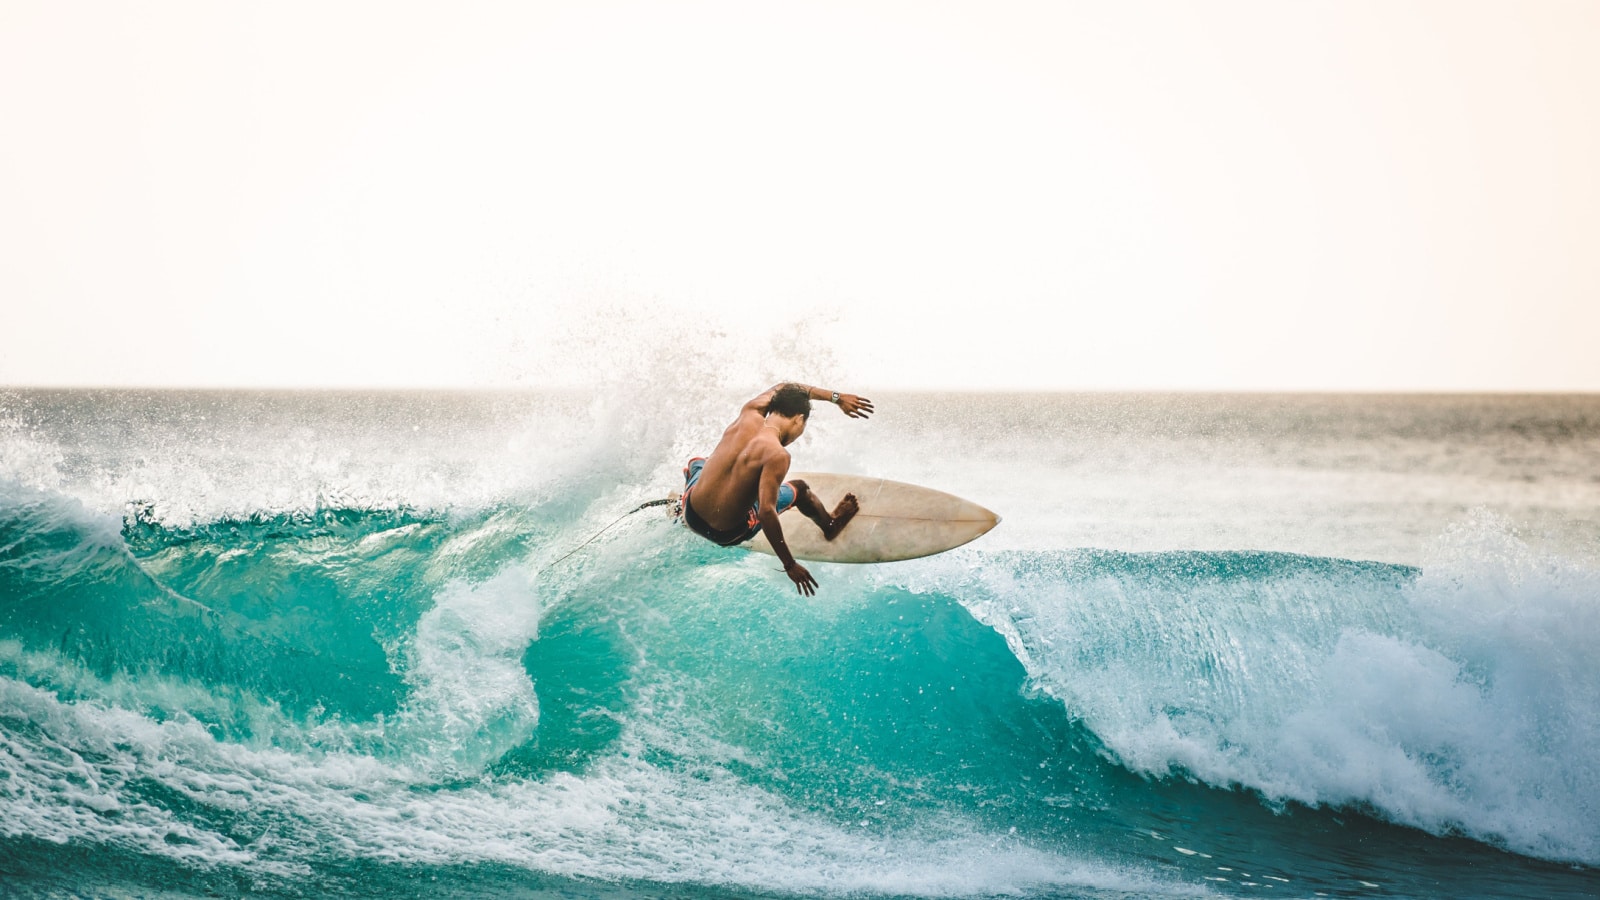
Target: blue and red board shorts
(691, 475)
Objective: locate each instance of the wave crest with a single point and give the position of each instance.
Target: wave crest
(1462, 698)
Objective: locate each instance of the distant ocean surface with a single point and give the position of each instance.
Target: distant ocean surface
(310, 644)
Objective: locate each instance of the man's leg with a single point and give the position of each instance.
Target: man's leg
(830, 523)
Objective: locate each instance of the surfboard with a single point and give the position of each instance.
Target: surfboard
(896, 521)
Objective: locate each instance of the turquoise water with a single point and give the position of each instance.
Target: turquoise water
(318, 644)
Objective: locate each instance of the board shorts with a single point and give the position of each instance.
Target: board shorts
(736, 536)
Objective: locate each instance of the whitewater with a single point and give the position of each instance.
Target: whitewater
(310, 643)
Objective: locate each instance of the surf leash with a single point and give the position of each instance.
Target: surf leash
(640, 508)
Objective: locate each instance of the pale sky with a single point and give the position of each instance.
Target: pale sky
(1059, 195)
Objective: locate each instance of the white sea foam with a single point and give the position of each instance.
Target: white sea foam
(471, 699)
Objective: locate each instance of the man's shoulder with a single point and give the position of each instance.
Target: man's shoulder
(765, 446)
(774, 453)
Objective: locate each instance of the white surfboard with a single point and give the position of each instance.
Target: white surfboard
(896, 521)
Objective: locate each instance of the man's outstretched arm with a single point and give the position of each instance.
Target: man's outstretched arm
(853, 406)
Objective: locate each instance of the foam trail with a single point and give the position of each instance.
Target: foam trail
(470, 699)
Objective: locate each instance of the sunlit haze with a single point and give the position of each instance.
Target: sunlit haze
(1053, 196)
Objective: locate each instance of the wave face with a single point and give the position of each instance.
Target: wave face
(291, 644)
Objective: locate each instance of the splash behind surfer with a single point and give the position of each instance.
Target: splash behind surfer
(739, 490)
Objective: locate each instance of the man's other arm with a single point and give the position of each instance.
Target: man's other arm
(773, 468)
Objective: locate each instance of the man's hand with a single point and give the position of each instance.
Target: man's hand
(855, 407)
(803, 582)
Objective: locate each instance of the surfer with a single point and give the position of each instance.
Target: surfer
(739, 491)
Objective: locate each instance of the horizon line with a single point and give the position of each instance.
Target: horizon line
(586, 388)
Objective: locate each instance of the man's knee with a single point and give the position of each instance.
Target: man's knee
(800, 487)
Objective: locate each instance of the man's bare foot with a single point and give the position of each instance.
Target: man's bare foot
(842, 514)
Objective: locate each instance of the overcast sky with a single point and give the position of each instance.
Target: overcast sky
(1098, 195)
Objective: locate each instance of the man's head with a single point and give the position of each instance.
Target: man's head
(791, 400)
(793, 404)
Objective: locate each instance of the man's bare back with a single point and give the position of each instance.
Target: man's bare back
(739, 490)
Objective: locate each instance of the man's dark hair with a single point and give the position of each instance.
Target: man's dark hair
(791, 400)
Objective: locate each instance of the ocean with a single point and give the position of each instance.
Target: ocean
(310, 644)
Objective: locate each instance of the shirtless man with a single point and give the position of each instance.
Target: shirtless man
(739, 492)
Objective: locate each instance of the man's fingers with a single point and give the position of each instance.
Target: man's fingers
(803, 580)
